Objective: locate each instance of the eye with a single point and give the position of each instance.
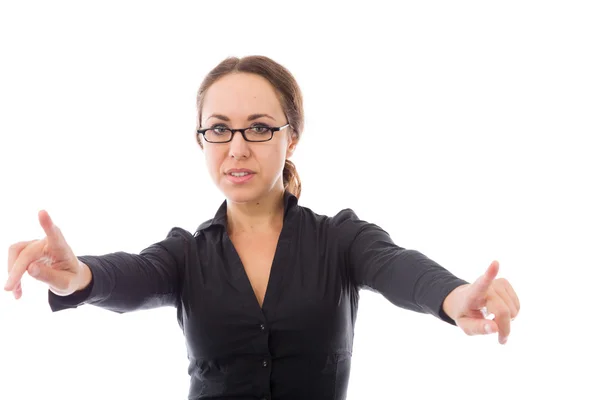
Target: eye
(260, 129)
(220, 128)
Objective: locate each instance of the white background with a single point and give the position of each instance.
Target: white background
(487, 119)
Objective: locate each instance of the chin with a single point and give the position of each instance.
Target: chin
(240, 194)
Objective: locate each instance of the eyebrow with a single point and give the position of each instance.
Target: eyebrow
(250, 117)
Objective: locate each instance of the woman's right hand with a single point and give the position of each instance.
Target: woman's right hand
(49, 260)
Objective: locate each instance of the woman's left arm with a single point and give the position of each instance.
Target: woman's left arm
(411, 280)
(407, 278)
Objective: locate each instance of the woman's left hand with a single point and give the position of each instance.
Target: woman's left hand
(465, 304)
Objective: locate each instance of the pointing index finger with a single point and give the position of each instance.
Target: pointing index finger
(478, 290)
(485, 280)
(52, 232)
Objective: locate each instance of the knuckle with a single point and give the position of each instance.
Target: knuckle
(13, 250)
(500, 283)
(19, 246)
(466, 328)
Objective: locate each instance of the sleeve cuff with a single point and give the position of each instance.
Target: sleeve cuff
(441, 313)
(76, 299)
(432, 289)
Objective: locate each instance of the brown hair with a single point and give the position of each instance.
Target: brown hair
(286, 87)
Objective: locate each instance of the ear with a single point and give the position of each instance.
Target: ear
(199, 141)
(290, 151)
(291, 146)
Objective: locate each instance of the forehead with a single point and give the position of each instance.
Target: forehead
(239, 95)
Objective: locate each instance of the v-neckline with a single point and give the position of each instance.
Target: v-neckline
(275, 273)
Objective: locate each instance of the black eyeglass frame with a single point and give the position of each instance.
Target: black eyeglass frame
(271, 129)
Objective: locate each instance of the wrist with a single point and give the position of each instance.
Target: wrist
(451, 304)
(85, 276)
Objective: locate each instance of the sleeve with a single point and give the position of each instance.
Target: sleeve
(124, 282)
(407, 278)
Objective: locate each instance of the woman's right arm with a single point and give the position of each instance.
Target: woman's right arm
(119, 282)
(124, 282)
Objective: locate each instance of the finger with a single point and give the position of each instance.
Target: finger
(477, 326)
(478, 290)
(13, 253)
(502, 312)
(18, 291)
(485, 280)
(513, 295)
(508, 300)
(52, 231)
(29, 254)
(14, 250)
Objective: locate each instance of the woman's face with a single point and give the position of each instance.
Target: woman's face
(242, 100)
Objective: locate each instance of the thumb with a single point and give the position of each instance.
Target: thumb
(54, 234)
(57, 279)
(477, 326)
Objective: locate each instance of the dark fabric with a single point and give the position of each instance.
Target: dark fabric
(299, 344)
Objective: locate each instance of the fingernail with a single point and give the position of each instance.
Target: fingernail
(503, 340)
(6, 286)
(34, 270)
(488, 328)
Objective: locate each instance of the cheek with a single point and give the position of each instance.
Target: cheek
(273, 159)
(213, 160)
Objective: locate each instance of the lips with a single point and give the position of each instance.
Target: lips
(239, 170)
(241, 173)
(239, 176)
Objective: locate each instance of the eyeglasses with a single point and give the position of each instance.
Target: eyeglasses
(222, 134)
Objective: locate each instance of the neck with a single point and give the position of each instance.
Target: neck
(263, 215)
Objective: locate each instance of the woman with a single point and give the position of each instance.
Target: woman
(266, 291)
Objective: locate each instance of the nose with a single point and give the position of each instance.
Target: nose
(238, 147)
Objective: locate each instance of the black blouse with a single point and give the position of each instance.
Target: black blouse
(299, 344)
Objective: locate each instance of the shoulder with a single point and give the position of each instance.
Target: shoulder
(176, 243)
(203, 226)
(177, 233)
(345, 224)
(308, 216)
(346, 217)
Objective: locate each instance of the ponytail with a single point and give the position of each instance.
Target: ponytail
(291, 179)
